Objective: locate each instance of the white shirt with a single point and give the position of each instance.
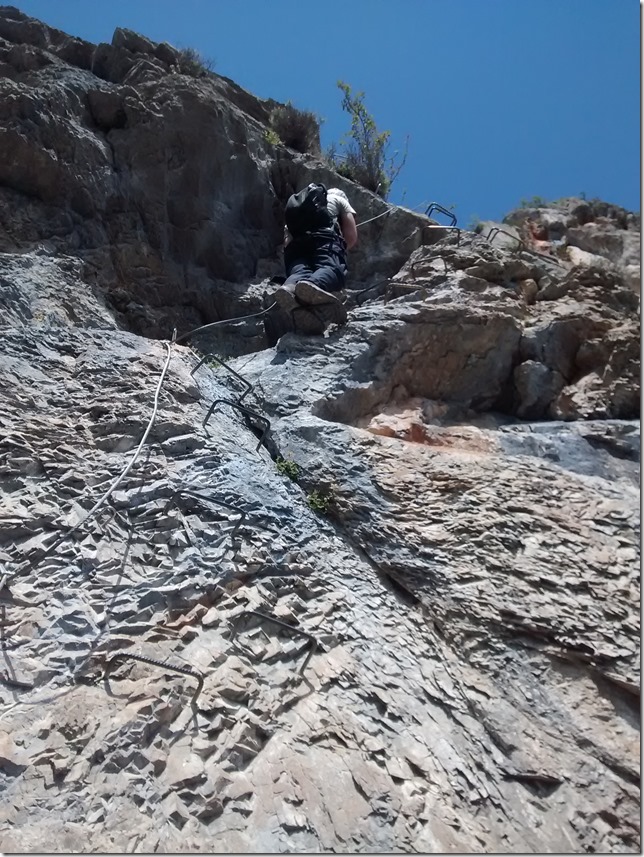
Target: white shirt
(338, 203)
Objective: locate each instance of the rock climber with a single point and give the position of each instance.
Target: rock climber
(320, 228)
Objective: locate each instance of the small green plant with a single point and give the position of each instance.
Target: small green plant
(192, 63)
(214, 361)
(365, 159)
(287, 467)
(298, 129)
(272, 137)
(475, 224)
(533, 202)
(319, 502)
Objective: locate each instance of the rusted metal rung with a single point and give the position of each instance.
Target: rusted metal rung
(544, 256)
(410, 287)
(273, 621)
(244, 410)
(245, 383)
(188, 493)
(162, 664)
(495, 230)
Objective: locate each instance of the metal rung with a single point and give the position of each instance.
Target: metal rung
(186, 492)
(162, 664)
(495, 230)
(434, 206)
(273, 621)
(228, 368)
(244, 410)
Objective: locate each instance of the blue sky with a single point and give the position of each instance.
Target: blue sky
(501, 99)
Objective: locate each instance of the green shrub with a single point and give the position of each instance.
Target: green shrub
(365, 157)
(272, 138)
(287, 467)
(192, 63)
(298, 129)
(319, 502)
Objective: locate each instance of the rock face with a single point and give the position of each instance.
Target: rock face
(402, 615)
(585, 233)
(163, 183)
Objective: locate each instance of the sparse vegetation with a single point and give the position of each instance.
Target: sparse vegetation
(298, 129)
(272, 138)
(214, 361)
(319, 502)
(288, 467)
(192, 63)
(533, 202)
(365, 156)
(475, 224)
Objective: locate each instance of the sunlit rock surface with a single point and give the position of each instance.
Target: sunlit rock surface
(445, 502)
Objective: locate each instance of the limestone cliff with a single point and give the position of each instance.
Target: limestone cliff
(439, 501)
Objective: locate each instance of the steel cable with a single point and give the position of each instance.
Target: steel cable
(224, 321)
(137, 452)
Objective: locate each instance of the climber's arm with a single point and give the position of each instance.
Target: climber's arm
(349, 229)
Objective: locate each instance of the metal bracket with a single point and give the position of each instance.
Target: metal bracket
(162, 664)
(434, 206)
(265, 424)
(271, 620)
(376, 285)
(545, 256)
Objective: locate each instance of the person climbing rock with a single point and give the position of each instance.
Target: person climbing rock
(320, 228)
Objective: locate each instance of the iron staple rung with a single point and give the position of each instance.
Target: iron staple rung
(14, 682)
(162, 664)
(188, 493)
(244, 410)
(434, 206)
(495, 230)
(235, 374)
(272, 620)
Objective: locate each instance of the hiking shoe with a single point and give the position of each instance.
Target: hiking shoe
(330, 313)
(309, 293)
(306, 322)
(285, 299)
(276, 324)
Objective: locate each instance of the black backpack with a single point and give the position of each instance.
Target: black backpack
(307, 211)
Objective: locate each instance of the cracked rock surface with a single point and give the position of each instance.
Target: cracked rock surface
(376, 591)
(467, 584)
